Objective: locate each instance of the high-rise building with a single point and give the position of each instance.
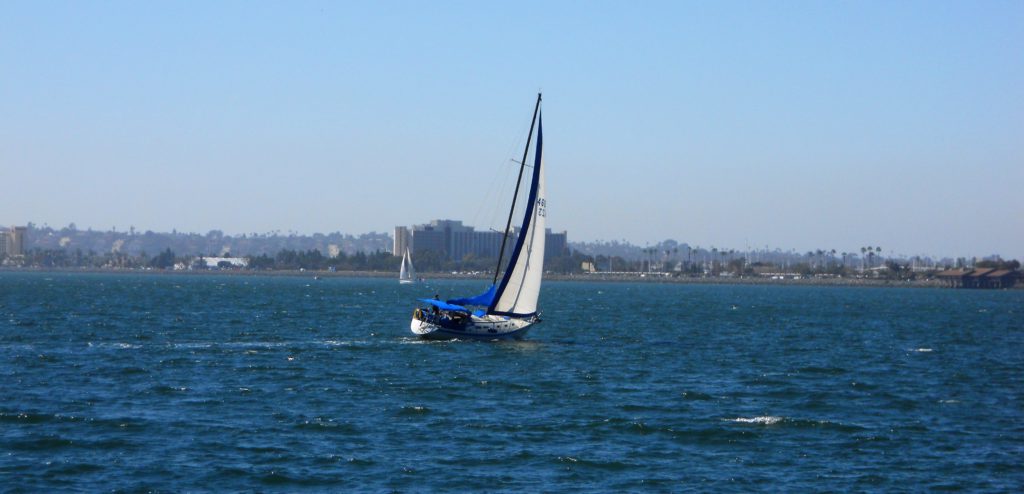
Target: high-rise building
(475, 244)
(555, 244)
(403, 241)
(16, 241)
(3, 243)
(454, 241)
(437, 237)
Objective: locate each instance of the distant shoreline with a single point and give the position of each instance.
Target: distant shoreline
(609, 278)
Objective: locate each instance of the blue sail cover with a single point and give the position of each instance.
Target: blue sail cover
(444, 305)
(484, 299)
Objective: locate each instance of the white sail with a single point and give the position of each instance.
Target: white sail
(410, 269)
(407, 274)
(520, 288)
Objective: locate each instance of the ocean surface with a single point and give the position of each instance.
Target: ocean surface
(225, 383)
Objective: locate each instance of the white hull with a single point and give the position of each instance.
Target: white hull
(406, 282)
(473, 328)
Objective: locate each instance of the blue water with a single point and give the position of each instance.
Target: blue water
(209, 383)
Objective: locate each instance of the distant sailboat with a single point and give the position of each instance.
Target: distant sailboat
(509, 307)
(408, 273)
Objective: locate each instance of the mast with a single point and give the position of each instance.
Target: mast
(511, 211)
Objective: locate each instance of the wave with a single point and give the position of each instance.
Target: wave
(115, 345)
(32, 418)
(168, 390)
(36, 417)
(320, 424)
(830, 371)
(343, 342)
(234, 344)
(696, 395)
(612, 465)
(764, 420)
(132, 370)
(413, 410)
(55, 442)
(773, 420)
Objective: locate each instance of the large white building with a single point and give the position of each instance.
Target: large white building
(403, 241)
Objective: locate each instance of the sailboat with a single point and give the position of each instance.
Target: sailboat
(508, 309)
(408, 273)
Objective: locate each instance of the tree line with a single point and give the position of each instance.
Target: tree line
(725, 263)
(285, 259)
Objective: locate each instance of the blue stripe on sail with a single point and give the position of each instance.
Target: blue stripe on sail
(526, 224)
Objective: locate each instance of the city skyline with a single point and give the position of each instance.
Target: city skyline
(373, 242)
(735, 124)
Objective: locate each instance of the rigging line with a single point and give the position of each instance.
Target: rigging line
(490, 209)
(504, 191)
(519, 181)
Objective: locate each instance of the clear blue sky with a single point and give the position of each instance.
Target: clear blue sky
(798, 125)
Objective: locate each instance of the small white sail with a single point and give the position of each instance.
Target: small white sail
(411, 269)
(408, 273)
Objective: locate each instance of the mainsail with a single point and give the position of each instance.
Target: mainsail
(520, 286)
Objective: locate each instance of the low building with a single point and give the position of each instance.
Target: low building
(1001, 278)
(225, 262)
(979, 278)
